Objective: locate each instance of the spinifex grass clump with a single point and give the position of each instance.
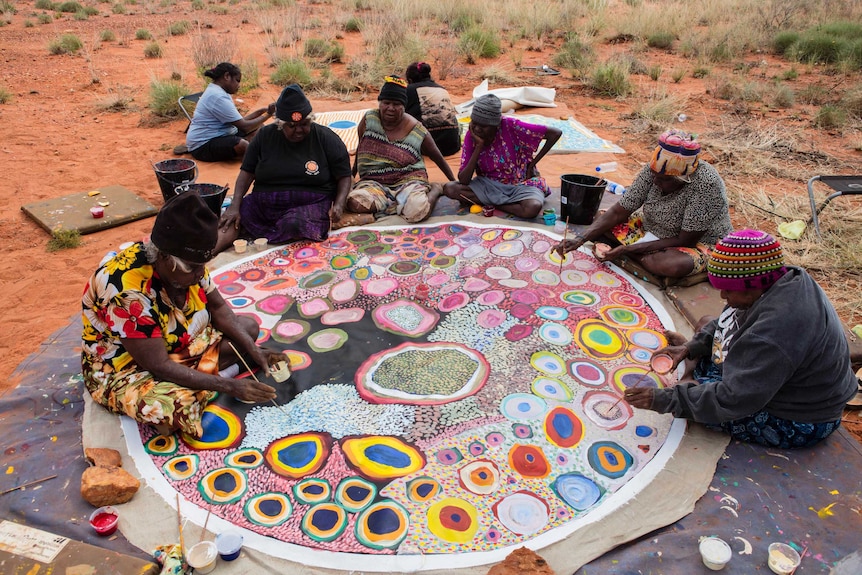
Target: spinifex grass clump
(65, 44)
(164, 96)
(64, 240)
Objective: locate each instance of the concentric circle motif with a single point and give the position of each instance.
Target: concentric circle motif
(449, 456)
(555, 334)
(296, 456)
(639, 354)
(609, 458)
(299, 360)
(529, 461)
(328, 339)
(625, 298)
(423, 489)
(599, 340)
(551, 388)
(312, 490)
(380, 287)
(268, 509)
(603, 278)
(253, 275)
(627, 376)
(480, 477)
(545, 277)
(275, 304)
(453, 520)
(491, 318)
(523, 406)
(573, 278)
(579, 492)
(222, 486)
(405, 268)
(181, 467)
(379, 458)
(508, 249)
(360, 237)
(522, 513)
(162, 445)
(522, 430)
(239, 302)
(606, 410)
(290, 330)
(518, 332)
(579, 297)
(324, 522)
(342, 261)
(355, 494)
(648, 338)
(588, 373)
(498, 273)
(548, 363)
(527, 264)
(383, 525)
(362, 273)
(222, 429)
(231, 289)
(512, 234)
(552, 313)
(525, 296)
(306, 252)
(453, 301)
(563, 428)
(317, 279)
(623, 316)
(404, 317)
(491, 297)
(442, 261)
(315, 307)
(495, 439)
(474, 285)
(344, 291)
(247, 458)
(476, 448)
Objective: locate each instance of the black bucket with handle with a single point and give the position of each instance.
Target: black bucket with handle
(173, 173)
(580, 197)
(212, 194)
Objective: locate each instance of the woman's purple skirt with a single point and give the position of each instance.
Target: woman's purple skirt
(286, 216)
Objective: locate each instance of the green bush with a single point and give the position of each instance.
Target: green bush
(851, 102)
(790, 74)
(164, 97)
(143, 34)
(612, 79)
(44, 19)
(655, 72)
(316, 48)
(118, 8)
(677, 75)
(574, 55)
(818, 47)
(91, 11)
(63, 240)
(179, 27)
(250, 76)
(69, 7)
(44, 5)
(65, 44)
(784, 40)
(153, 50)
(80, 15)
(197, 5)
(843, 29)
(353, 24)
(462, 22)
(813, 94)
(478, 42)
(291, 71)
(853, 55)
(5, 96)
(107, 36)
(783, 97)
(29, 24)
(700, 72)
(661, 40)
(830, 116)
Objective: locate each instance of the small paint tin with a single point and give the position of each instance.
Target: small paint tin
(488, 211)
(715, 552)
(661, 363)
(202, 557)
(229, 545)
(280, 371)
(240, 246)
(260, 244)
(97, 211)
(783, 559)
(104, 520)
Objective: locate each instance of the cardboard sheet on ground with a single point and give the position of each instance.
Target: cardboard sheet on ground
(534, 96)
(72, 212)
(344, 124)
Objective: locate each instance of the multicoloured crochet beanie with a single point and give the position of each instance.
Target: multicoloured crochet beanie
(745, 260)
(675, 155)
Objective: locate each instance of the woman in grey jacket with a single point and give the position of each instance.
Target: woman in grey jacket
(774, 368)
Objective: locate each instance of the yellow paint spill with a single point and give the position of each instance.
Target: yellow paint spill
(53, 438)
(834, 492)
(825, 512)
(10, 470)
(33, 570)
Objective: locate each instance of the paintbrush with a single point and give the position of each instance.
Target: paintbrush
(207, 520)
(565, 233)
(180, 526)
(637, 383)
(242, 359)
(28, 484)
(801, 557)
(468, 199)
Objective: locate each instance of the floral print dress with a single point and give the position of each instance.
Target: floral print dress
(125, 299)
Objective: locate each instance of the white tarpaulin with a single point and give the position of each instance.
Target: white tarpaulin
(534, 96)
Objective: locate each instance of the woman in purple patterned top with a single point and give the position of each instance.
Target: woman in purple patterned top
(501, 152)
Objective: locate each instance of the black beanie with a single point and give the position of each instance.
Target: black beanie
(394, 89)
(186, 228)
(292, 105)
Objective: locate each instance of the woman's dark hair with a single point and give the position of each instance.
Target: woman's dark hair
(222, 69)
(418, 71)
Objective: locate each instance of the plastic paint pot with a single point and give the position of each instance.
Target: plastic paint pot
(202, 556)
(487, 211)
(240, 246)
(421, 292)
(260, 244)
(661, 363)
(280, 373)
(105, 520)
(229, 545)
(97, 211)
(715, 553)
(474, 209)
(601, 250)
(783, 559)
(550, 219)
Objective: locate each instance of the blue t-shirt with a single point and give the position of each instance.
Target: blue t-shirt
(213, 117)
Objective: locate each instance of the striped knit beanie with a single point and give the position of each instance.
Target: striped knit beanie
(745, 260)
(675, 155)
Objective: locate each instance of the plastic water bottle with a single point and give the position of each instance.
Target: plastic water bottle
(615, 188)
(607, 167)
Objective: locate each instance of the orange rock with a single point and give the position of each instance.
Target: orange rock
(103, 457)
(108, 486)
(522, 561)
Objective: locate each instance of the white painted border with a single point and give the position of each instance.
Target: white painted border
(411, 563)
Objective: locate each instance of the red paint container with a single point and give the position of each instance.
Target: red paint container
(97, 211)
(661, 363)
(488, 211)
(421, 291)
(104, 520)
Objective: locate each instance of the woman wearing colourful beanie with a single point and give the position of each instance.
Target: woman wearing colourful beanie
(774, 367)
(677, 198)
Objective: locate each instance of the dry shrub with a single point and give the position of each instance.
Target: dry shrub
(209, 50)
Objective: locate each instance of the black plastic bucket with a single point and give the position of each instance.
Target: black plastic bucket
(212, 194)
(173, 173)
(580, 197)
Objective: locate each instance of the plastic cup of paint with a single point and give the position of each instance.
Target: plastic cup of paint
(104, 520)
(260, 244)
(601, 250)
(280, 373)
(202, 556)
(560, 226)
(229, 545)
(488, 211)
(97, 211)
(240, 246)
(783, 559)
(715, 552)
(421, 291)
(550, 219)
(661, 363)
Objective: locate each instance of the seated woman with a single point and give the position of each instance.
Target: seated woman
(683, 203)
(301, 174)
(218, 131)
(429, 102)
(157, 331)
(774, 368)
(502, 154)
(392, 176)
